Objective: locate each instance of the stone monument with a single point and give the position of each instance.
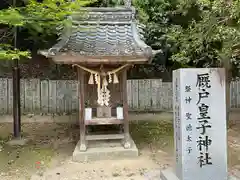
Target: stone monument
(200, 135)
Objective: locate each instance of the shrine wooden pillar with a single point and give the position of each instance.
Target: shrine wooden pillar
(126, 142)
(82, 145)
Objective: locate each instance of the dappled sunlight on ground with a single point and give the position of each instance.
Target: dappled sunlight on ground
(49, 151)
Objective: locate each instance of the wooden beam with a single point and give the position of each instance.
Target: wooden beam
(104, 121)
(77, 59)
(104, 137)
(81, 78)
(126, 144)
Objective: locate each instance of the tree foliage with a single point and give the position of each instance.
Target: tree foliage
(37, 19)
(200, 33)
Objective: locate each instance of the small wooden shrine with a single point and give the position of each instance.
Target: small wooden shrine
(102, 44)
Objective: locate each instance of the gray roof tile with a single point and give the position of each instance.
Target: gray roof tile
(102, 32)
(116, 40)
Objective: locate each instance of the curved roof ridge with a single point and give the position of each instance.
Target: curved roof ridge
(104, 32)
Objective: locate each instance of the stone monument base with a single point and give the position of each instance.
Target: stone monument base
(168, 174)
(104, 150)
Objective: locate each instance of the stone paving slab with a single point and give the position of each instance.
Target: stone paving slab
(18, 142)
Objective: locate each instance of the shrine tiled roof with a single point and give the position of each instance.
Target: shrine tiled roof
(95, 33)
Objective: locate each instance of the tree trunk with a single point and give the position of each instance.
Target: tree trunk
(228, 76)
(228, 99)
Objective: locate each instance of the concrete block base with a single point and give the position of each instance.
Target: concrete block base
(168, 174)
(104, 150)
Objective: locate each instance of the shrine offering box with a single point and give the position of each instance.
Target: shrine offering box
(104, 112)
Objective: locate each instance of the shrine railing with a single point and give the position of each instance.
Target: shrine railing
(60, 96)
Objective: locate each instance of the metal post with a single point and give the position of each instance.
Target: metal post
(16, 91)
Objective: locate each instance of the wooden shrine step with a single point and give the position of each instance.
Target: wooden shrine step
(104, 137)
(104, 121)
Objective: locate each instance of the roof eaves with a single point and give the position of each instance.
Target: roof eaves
(63, 40)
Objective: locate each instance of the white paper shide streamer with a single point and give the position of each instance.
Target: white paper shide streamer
(100, 78)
